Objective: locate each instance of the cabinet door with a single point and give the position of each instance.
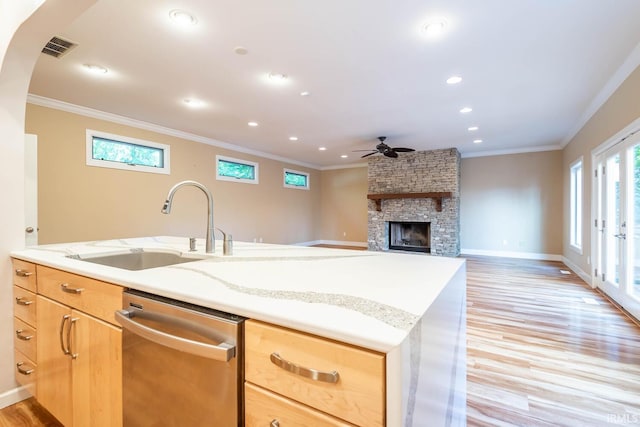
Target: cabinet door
(97, 372)
(54, 367)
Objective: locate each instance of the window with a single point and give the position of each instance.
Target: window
(575, 232)
(296, 179)
(121, 152)
(229, 169)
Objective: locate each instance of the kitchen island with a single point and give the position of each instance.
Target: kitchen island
(410, 308)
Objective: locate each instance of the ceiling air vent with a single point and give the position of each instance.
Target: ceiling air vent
(58, 47)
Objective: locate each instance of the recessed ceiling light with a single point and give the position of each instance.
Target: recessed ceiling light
(453, 80)
(293, 138)
(434, 27)
(278, 77)
(95, 69)
(472, 128)
(253, 124)
(305, 93)
(477, 141)
(322, 148)
(194, 103)
(241, 50)
(344, 156)
(466, 110)
(182, 18)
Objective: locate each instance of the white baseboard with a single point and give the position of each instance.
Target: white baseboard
(12, 396)
(583, 275)
(333, 242)
(512, 254)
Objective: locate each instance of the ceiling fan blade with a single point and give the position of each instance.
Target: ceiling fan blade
(403, 150)
(370, 154)
(390, 153)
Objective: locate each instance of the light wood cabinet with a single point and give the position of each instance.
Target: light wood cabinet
(340, 380)
(24, 321)
(77, 353)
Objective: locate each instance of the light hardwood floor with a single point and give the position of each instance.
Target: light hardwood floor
(539, 354)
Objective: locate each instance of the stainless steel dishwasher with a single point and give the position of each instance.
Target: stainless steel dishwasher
(182, 363)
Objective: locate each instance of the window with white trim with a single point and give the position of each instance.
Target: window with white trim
(575, 194)
(296, 179)
(121, 152)
(236, 170)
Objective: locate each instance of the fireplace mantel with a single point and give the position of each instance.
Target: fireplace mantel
(437, 196)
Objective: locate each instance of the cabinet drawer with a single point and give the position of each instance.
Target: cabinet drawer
(357, 396)
(25, 370)
(24, 274)
(91, 296)
(263, 408)
(24, 338)
(24, 305)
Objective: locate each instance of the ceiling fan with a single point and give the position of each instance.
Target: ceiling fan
(386, 150)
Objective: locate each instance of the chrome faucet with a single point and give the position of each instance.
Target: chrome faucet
(166, 209)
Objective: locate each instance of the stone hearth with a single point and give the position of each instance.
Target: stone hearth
(417, 172)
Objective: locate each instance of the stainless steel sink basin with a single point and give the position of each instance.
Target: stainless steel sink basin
(137, 259)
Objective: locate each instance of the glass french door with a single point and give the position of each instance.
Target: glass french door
(618, 224)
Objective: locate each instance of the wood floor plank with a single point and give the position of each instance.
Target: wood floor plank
(544, 349)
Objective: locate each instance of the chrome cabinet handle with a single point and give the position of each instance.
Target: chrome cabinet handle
(222, 352)
(65, 288)
(312, 374)
(23, 273)
(621, 236)
(19, 334)
(72, 322)
(22, 370)
(64, 320)
(274, 423)
(22, 301)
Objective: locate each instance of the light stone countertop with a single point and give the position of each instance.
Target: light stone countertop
(365, 298)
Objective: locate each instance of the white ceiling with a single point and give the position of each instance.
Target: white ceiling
(532, 71)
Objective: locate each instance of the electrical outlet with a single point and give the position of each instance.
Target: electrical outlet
(344, 234)
(505, 242)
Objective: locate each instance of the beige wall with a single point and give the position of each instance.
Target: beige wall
(78, 202)
(621, 109)
(344, 205)
(515, 199)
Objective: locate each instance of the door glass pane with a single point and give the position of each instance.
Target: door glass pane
(612, 182)
(633, 230)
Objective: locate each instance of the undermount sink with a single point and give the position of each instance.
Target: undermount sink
(137, 259)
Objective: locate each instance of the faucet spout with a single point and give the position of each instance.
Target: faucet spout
(166, 209)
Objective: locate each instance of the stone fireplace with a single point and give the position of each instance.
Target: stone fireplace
(422, 187)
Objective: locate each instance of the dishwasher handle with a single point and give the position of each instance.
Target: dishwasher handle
(222, 352)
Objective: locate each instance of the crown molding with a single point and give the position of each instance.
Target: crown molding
(628, 66)
(127, 121)
(522, 150)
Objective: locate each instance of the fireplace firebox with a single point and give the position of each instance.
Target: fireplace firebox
(410, 236)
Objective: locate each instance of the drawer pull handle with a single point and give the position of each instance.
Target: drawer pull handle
(274, 423)
(23, 273)
(65, 288)
(22, 370)
(325, 377)
(22, 301)
(23, 337)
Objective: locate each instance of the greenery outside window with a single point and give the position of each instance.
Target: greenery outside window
(121, 152)
(575, 220)
(230, 169)
(296, 179)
